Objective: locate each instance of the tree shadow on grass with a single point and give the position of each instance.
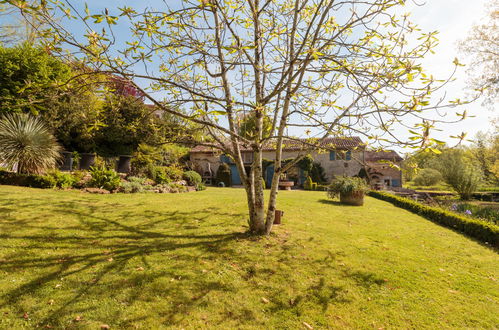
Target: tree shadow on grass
(106, 252)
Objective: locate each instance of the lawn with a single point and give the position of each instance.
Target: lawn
(76, 260)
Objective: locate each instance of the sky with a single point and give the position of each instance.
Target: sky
(452, 18)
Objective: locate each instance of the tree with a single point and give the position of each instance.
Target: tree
(482, 46)
(459, 172)
(27, 144)
(330, 68)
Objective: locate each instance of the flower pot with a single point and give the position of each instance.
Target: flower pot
(355, 198)
(86, 161)
(67, 161)
(278, 216)
(286, 185)
(124, 164)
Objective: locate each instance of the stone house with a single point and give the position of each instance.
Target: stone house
(384, 169)
(340, 156)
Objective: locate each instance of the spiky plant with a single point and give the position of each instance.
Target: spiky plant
(26, 142)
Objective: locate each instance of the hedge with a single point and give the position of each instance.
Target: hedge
(27, 180)
(479, 229)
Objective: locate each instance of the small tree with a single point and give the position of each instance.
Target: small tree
(332, 68)
(459, 172)
(428, 177)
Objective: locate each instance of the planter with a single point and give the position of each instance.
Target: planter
(355, 199)
(86, 161)
(67, 161)
(278, 216)
(124, 164)
(286, 185)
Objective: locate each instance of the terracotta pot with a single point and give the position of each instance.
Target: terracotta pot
(286, 185)
(355, 199)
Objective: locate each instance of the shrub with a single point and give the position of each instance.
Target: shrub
(346, 185)
(307, 185)
(317, 173)
(224, 175)
(27, 143)
(478, 211)
(479, 229)
(200, 186)
(64, 180)
(131, 187)
(27, 180)
(193, 178)
(104, 178)
(40, 181)
(458, 172)
(428, 177)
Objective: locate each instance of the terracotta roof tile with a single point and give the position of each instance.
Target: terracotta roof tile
(295, 145)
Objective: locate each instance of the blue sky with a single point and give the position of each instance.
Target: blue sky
(452, 18)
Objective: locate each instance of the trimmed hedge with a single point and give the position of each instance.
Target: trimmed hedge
(481, 230)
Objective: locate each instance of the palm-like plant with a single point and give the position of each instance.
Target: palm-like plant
(26, 142)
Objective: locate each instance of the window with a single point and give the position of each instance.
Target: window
(348, 155)
(332, 155)
(247, 157)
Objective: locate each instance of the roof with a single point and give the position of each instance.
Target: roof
(388, 155)
(342, 143)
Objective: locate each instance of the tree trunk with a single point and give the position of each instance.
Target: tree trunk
(255, 194)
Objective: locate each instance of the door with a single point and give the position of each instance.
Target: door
(236, 180)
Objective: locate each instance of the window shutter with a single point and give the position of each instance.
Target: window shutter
(332, 155)
(348, 155)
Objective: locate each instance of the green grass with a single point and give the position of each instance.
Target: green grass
(75, 260)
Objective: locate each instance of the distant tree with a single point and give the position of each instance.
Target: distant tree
(482, 46)
(428, 177)
(329, 67)
(459, 172)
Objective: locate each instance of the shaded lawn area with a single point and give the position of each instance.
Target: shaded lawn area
(75, 260)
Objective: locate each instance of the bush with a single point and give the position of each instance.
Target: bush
(27, 180)
(307, 185)
(104, 178)
(428, 177)
(224, 175)
(479, 229)
(459, 172)
(193, 178)
(200, 187)
(346, 185)
(40, 181)
(64, 180)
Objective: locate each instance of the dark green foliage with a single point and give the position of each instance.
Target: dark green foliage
(317, 173)
(193, 178)
(247, 126)
(428, 177)
(479, 229)
(306, 163)
(27, 180)
(346, 185)
(104, 178)
(29, 77)
(224, 175)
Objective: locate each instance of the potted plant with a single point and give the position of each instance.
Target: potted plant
(350, 189)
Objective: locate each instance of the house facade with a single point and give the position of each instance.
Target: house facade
(340, 157)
